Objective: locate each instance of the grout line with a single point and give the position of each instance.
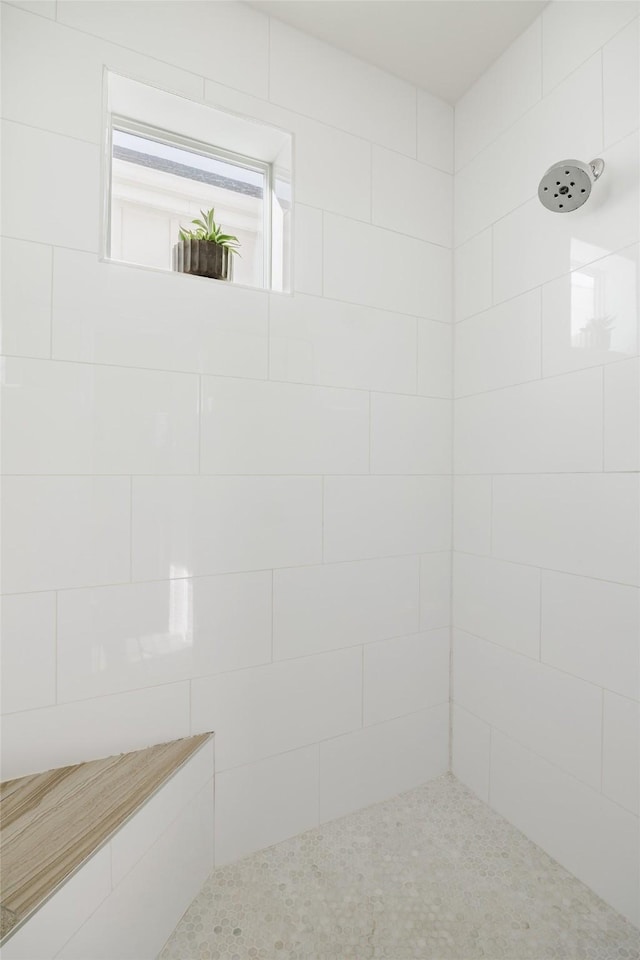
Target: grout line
(409, 393)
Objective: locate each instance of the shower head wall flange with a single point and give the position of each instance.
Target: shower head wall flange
(567, 185)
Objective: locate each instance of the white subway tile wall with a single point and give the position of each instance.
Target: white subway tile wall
(233, 510)
(546, 650)
(217, 500)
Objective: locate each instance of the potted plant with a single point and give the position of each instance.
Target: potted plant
(205, 251)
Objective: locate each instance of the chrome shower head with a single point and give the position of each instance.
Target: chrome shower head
(567, 185)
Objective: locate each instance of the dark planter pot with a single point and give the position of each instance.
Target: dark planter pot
(203, 259)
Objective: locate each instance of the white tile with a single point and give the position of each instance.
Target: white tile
(55, 922)
(621, 751)
(563, 715)
(266, 802)
(308, 250)
(504, 92)
(380, 761)
(332, 169)
(52, 76)
(567, 123)
(28, 638)
(268, 710)
(411, 197)
(473, 260)
(550, 426)
(622, 416)
(143, 909)
(264, 427)
(590, 316)
(343, 604)
(137, 835)
(593, 838)
(385, 516)
(405, 674)
(621, 83)
(435, 590)
(203, 525)
(435, 358)
(65, 532)
(231, 621)
(182, 35)
(435, 131)
(93, 728)
(583, 524)
(590, 628)
(589, 25)
(410, 435)
(471, 751)
(472, 514)
(500, 347)
(532, 245)
(353, 95)
(314, 340)
(375, 267)
(26, 298)
(112, 639)
(73, 418)
(108, 313)
(54, 192)
(498, 601)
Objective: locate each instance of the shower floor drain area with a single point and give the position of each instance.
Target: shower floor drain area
(433, 873)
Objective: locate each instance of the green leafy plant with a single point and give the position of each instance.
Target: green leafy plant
(208, 229)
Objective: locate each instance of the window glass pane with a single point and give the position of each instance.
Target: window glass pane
(158, 187)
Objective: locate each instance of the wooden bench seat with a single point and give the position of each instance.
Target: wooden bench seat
(51, 823)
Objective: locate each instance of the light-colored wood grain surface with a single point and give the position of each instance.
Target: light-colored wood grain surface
(51, 822)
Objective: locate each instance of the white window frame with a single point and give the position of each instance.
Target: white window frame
(159, 135)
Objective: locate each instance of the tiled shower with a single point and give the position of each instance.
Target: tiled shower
(376, 529)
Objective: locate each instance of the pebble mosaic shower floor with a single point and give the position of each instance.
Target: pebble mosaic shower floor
(433, 874)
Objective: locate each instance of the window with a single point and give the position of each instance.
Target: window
(161, 177)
